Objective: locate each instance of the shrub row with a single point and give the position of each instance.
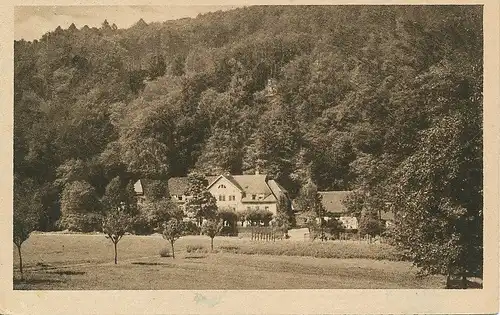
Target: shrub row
(316, 249)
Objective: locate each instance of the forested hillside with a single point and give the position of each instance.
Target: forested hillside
(383, 99)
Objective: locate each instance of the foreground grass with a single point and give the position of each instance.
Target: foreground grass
(86, 262)
(230, 271)
(43, 249)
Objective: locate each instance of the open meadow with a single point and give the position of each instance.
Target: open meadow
(85, 262)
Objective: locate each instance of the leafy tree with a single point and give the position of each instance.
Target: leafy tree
(157, 67)
(440, 230)
(78, 199)
(265, 216)
(120, 194)
(229, 219)
(369, 224)
(309, 202)
(285, 217)
(27, 211)
(156, 189)
(354, 203)
(201, 203)
(173, 230)
(211, 228)
(71, 170)
(334, 226)
(155, 212)
(115, 224)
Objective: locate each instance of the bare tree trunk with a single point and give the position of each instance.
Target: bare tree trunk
(212, 244)
(173, 252)
(20, 261)
(116, 254)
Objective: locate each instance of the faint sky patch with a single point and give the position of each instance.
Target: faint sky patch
(31, 22)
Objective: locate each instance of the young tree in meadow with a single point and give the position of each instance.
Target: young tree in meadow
(120, 204)
(172, 231)
(27, 210)
(201, 204)
(211, 228)
(115, 224)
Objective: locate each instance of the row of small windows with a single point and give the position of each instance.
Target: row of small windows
(256, 208)
(230, 198)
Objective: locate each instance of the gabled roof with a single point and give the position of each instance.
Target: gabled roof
(177, 185)
(229, 178)
(249, 184)
(332, 200)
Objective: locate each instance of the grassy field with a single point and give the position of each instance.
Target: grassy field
(62, 261)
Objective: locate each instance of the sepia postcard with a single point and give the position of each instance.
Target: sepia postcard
(250, 158)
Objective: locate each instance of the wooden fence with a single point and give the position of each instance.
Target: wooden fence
(266, 234)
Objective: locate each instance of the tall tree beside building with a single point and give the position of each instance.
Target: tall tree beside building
(201, 204)
(309, 202)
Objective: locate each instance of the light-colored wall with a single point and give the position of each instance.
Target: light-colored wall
(230, 190)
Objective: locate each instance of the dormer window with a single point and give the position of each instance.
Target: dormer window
(222, 186)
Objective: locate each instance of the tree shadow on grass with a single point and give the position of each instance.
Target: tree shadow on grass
(195, 257)
(67, 272)
(150, 263)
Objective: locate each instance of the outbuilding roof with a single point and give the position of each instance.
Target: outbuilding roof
(332, 200)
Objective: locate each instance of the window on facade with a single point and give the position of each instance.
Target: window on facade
(249, 208)
(222, 186)
(180, 197)
(253, 197)
(222, 198)
(232, 198)
(267, 208)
